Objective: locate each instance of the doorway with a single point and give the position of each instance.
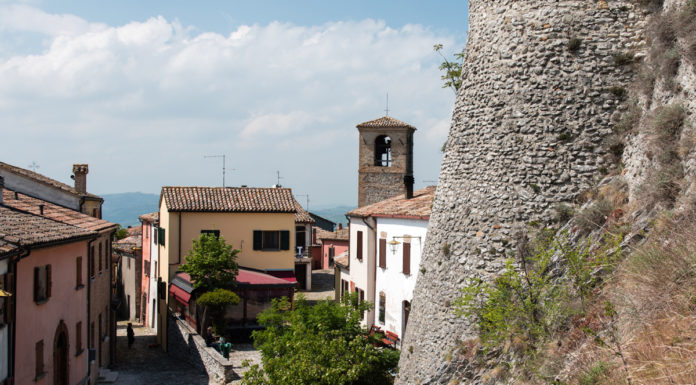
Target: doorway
(60, 355)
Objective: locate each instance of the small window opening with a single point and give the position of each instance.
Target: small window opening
(383, 154)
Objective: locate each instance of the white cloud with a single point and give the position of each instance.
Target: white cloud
(263, 94)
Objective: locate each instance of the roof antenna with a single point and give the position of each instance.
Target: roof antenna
(279, 178)
(223, 165)
(33, 166)
(386, 110)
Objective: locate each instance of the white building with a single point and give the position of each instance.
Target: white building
(386, 242)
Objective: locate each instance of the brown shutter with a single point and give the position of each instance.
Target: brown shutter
(383, 253)
(11, 303)
(39, 358)
(407, 258)
(78, 272)
(36, 284)
(360, 245)
(49, 283)
(78, 337)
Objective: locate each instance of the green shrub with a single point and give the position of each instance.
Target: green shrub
(574, 44)
(535, 187)
(594, 216)
(629, 120)
(623, 58)
(563, 137)
(564, 212)
(594, 375)
(218, 300)
(618, 91)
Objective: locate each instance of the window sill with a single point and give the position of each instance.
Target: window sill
(40, 376)
(77, 354)
(80, 286)
(41, 301)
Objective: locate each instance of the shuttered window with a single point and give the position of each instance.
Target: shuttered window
(78, 338)
(39, 359)
(101, 257)
(407, 258)
(383, 253)
(271, 240)
(91, 262)
(78, 273)
(382, 307)
(359, 251)
(215, 233)
(161, 236)
(42, 283)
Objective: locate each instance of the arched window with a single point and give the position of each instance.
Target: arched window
(383, 151)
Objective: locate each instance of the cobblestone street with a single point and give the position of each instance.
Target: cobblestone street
(322, 286)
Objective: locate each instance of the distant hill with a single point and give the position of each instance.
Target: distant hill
(335, 214)
(125, 208)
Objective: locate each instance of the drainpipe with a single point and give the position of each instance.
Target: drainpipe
(179, 258)
(89, 313)
(13, 333)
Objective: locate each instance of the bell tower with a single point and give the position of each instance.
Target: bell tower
(385, 163)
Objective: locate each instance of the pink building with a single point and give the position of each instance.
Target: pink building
(329, 244)
(47, 313)
(149, 270)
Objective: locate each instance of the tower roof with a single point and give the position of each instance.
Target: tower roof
(385, 121)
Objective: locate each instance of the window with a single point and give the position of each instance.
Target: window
(161, 236)
(406, 247)
(42, 283)
(216, 233)
(156, 271)
(300, 237)
(343, 288)
(383, 253)
(361, 299)
(107, 254)
(78, 338)
(91, 335)
(383, 151)
(155, 233)
(146, 230)
(128, 261)
(146, 268)
(332, 254)
(100, 322)
(271, 240)
(100, 257)
(78, 273)
(382, 305)
(359, 252)
(39, 359)
(91, 262)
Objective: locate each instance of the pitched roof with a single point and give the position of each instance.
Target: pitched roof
(44, 180)
(342, 259)
(129, 243)
(25, 229)
(229, 199)
(62, 214)
(383, 122)
(339, 235)
(150, 217)
(417, 207)
(302, 216)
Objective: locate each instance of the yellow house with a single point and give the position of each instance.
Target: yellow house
(260, 222)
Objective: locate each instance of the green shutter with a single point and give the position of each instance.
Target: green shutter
(258, 240)
(161, 236)
(285, 240)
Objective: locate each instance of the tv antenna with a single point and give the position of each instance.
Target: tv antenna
(223, 165)
(33, 166)
(386, 110)
(279, 178)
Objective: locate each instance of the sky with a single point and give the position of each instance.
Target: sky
(142, 91)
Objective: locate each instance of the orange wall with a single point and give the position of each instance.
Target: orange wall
(37, 322)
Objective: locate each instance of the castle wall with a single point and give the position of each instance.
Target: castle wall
(527, 132)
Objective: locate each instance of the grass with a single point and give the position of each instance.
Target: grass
(594, 216)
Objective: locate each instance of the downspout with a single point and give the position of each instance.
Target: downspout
(179, 249)
(89, 312)
(13, 335)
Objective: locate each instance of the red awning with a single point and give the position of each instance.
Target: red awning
(287, 275)
(180, 294)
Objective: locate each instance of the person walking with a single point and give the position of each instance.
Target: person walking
(131, 335)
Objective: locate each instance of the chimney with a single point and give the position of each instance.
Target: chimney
(339, 226)
(408, 181)
(2, 188)
(80, 175)
(41, 207)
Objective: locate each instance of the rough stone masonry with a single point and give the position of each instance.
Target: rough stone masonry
(527, 133)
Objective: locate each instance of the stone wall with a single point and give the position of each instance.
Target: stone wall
(188, 346)
(527, 132)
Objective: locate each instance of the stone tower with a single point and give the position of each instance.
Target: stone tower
(528, 131)
(385, 164)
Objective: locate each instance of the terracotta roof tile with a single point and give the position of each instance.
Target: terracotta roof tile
(229, 199)
(150, 217)
(44, 179)
(339, 235)
(128, 243)
(302, 216)
(342, 259)
(383, 122)
(26, 229)
(57, 213)
(418, 206)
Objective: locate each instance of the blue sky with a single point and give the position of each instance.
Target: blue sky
(143, 90)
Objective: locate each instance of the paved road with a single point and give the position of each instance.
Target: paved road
(322, 285)
(143, 365)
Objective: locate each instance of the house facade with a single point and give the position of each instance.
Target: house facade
(128, 253)
(388, 238)
(260, 222)
(148, 303)
(45, 298)
(330, 244)
(100, 314)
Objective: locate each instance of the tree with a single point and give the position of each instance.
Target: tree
(121, 233)
(212, 264)
(452, 69)
(320, 344)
